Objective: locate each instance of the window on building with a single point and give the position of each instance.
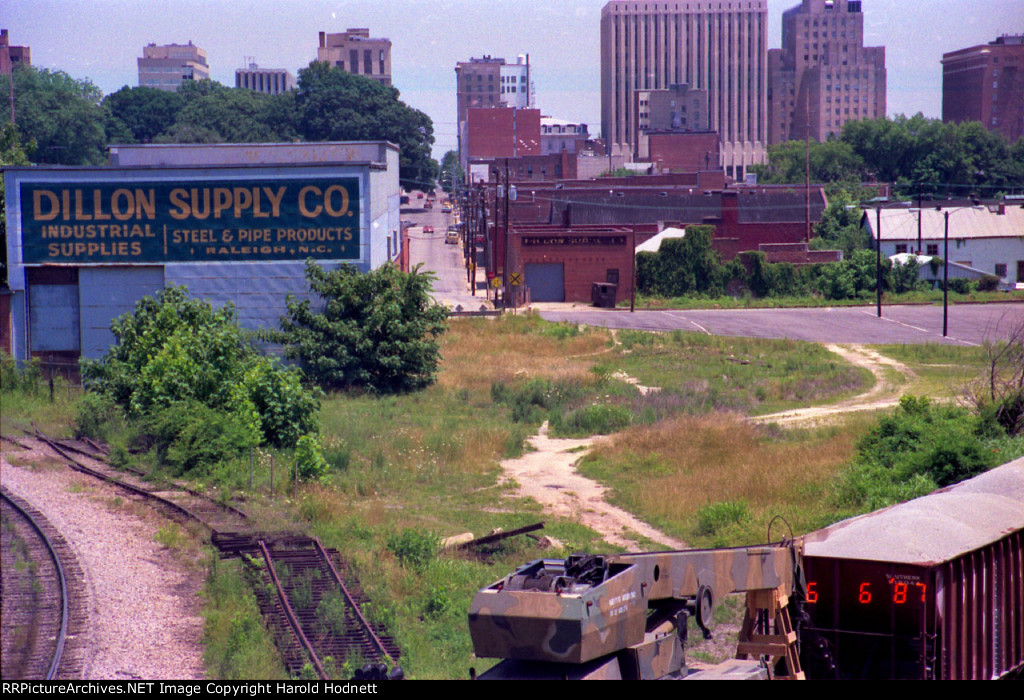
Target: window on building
(1000, 269)
(933, 249)
(901, 248)
(611, 276)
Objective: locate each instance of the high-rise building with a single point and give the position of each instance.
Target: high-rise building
(823, 76)
(354, 51)
(271, 81)
(167, 67)
(715, 45)
(986, 84)
(11, 56)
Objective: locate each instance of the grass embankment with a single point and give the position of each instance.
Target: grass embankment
(748, 302)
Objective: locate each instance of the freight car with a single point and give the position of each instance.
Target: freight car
(931, 588)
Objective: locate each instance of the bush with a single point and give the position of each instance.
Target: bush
(25, 378)
(595, 419)
(376, 331)
(717, 516)
(96, 414)
(193, 439)
(177, 351)
(988, 283)
(415, 548)
(309, 459)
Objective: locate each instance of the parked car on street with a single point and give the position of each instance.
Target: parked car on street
(428, 229)
(451, 237)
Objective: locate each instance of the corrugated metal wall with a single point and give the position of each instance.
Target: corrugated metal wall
(981, 609)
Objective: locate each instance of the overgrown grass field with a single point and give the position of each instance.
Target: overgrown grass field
(406, 470)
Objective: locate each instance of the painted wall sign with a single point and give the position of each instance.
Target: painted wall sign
(573, 240)
(203, 221)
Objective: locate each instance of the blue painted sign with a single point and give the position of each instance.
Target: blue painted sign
(203, 221)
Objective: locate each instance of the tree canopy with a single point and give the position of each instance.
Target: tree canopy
(332, 105)
(71, 123)
(916, 154)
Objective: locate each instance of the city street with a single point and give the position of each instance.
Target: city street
(969, 324)
(443, 259)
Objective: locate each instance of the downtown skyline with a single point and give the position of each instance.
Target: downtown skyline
(429, 38)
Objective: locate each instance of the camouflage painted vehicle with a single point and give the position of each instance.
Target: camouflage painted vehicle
(618, 616)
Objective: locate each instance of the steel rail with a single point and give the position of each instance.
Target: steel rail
(64, 614)
(351, 601)
(290, 614)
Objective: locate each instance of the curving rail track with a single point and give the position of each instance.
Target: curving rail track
(313, 613)
(43, 597)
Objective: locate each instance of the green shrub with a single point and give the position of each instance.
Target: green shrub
(988, 283)
(595, 419)
(284, 408)
(193, 438)
(26, 377)
(415, 548)
(309, 459)
(715, 517)
(377, 330)
(96, 414)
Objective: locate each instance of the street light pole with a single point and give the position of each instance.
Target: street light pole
(945, 274)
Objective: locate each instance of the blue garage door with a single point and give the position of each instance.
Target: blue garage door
(546, 281)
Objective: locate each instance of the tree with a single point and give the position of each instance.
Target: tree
(61, 115)
(840, 227)
(451, 171)
(376, 330)
(11, 153)
(237, 115)
(999, 393)
(333, 105)
(146, 112)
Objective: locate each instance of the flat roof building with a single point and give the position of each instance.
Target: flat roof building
(823, 76)
(986, 84)
(270, 81)
(354, 51)
(167, 67)
(11, 56)
(718, 46)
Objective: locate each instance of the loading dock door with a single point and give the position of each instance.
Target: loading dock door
(546, 281)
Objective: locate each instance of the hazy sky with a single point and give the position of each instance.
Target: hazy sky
(101, 40)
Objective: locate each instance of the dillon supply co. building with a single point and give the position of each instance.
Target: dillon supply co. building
(232, 222)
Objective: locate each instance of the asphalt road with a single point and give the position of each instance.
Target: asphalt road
(443, 259)
(969, 324)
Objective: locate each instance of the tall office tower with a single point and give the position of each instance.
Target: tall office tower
(166, 67)
(719, 46)
(986, 84)
(355, 52)
(11, 56)
(823, 76)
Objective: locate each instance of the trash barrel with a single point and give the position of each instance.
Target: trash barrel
(602, 294)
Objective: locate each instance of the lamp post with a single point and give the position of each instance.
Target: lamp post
(945, 263)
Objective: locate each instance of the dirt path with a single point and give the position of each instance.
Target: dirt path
(548, 475)
(884, 394)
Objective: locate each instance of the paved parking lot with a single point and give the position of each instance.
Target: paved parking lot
(969, 324)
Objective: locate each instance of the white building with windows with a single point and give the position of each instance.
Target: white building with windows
(986, 239)
(557, 135)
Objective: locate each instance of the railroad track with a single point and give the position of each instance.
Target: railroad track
(43, 603)
(314, 608)
(314, 613)
(175, 499)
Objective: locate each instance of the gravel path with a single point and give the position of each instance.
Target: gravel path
(144, 602)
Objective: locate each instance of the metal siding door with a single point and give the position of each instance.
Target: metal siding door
(53, 317)
(546, 281)
(109, 292)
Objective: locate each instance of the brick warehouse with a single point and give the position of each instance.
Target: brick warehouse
(232, 222)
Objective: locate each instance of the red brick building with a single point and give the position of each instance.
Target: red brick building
(986, 84)
(682, 151)
(11, 56)
(502, 132)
